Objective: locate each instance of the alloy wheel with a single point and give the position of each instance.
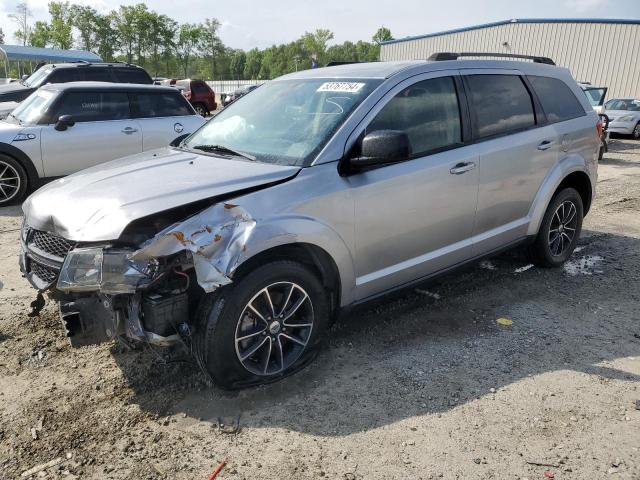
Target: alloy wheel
(200, 110)
(9, 182)
(636, 131)
(563, 227)
(274, 328)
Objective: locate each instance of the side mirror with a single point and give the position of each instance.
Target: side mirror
(24, 77)
(64, 122)
(383, 146)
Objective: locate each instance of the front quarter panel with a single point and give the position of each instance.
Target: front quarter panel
(314, 208)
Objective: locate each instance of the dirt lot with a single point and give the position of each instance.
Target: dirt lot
(424, 384)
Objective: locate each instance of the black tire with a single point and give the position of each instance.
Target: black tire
(200, 109)
(636, 132)
(13, 181)
(544, 251)
(601, 152)
(219, 324)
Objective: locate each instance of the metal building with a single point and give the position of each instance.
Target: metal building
(604, 52)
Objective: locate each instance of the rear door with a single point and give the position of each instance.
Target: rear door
(163, 116)
(415, 217)
(103, 131)
(516, 150)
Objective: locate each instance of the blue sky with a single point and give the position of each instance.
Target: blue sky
(262, 23)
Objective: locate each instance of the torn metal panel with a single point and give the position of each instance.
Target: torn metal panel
(216, 237)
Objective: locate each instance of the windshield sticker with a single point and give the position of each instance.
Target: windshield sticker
(343, 87)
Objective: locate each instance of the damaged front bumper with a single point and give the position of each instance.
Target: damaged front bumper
(144, 293)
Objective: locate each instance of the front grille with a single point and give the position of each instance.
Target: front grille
(49, 243)
(44, 254)
(43, 272)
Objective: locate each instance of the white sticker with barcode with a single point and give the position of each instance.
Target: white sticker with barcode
(343, 87)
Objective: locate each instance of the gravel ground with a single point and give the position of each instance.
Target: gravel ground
(424, 384)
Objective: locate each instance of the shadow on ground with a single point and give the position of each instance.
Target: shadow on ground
(428, 349)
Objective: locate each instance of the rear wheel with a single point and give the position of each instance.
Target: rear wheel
(263, 327)
(560, 229)
(636, 132)
(13, 181)
(200, 109)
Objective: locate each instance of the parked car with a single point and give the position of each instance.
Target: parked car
(238, 93)
(321, 190)
(624, 116)
(66, 127)
(596, 97)
(73, 72)
(199, 94)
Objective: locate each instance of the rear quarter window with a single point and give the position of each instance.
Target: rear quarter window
(558, 101)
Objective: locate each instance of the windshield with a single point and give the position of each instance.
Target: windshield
(37, 77)
(631, 105)
(595, 96)
(284, 122)
(32, 109)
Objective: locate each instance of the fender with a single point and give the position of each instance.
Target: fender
(290, 229)
(35, 180)
(568, 165)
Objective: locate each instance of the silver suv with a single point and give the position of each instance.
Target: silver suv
(321, 190)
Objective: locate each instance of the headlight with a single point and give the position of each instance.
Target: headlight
(110, 271)
(626, 118)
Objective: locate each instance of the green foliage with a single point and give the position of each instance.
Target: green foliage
(136, 34)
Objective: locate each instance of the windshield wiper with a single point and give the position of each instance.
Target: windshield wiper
(224, 150)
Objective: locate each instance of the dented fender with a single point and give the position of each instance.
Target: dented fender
(216, 237)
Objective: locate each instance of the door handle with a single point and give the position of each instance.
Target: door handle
(460, 168)
(546, 145)
(129, 130)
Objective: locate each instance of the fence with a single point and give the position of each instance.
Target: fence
(227, 86)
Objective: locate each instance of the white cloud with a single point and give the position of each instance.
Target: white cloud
(583, 6)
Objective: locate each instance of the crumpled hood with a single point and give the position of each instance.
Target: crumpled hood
(98, 203)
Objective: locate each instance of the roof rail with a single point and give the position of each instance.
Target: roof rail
(442, 56)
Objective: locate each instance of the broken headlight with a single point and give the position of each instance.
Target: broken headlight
(110, 271)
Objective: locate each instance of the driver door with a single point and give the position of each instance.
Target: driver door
(415, 217)
(103, 131)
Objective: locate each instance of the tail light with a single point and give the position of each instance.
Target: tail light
(599, 128)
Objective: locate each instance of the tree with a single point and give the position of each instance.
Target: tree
(252, 64)
(382, 35)
(316, 42)
(21, 18)
(237, 64)
(106, 36)
(1, 36)
(211, 43)
(189, 39)
(85, 20)
(162, 31)
(124, 21)
(61, 25)
(40, 35)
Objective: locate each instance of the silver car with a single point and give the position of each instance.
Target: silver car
(624, 116)
(321, 190)
(65, 127)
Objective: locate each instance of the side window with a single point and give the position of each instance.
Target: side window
(94, 106)
(131, 75)
(558, 101)
(499, 104)
(427, 111)
(64, 75)
(199, 87)
(149, 105)
(97, 74)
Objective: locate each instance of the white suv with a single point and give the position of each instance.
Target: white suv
(66, 127)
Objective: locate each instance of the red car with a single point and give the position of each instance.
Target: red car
(199, 94)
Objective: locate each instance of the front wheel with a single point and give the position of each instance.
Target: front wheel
(636, 132)
(560, 229)
(266, 325)
(13, 181)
